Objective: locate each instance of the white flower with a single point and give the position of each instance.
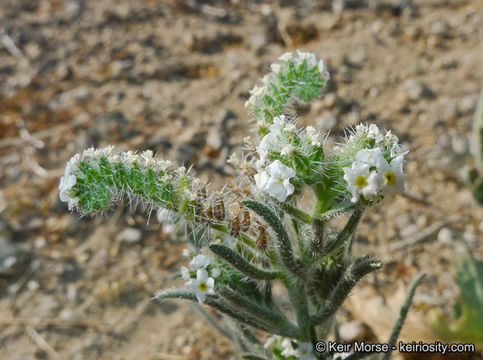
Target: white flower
(361, 129)
(258, 91)
(287, 150)
(373, 133)
(361, 181)
(370, 157)
(275, 181)
(185, 273)
(314, 136)
(392, 175)
(251, 101)
(397, 151)
(310, 58)
(200, 262)
(181, 171)
(260, 163)
(288, 349)
(67, 182)
(304, 351)
(147, 158)
(289, 128)
(203, 285)
(128, 158)
(164, 164)
(286, 57)
(276, 68)
(271, 341)
(271, 139)
(261, 178)
(390, 138)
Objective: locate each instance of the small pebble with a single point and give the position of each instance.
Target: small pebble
(445, 236)
(130, 235)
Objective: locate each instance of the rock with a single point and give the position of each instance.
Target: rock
(33, 285)
(440, 28)
(467, 103)
(413, 32)
(258, 43)
(373, 92)
(130, 235)
(413, 90)
(445, 236)
(358, 57)
(331, 100)
(214, 138)
(67, 314)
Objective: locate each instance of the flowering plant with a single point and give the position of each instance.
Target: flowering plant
(255, 234)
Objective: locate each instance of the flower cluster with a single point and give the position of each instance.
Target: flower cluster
(68, 181)
(294, 77)
(290, 348)
(199, 276)
(377, 167)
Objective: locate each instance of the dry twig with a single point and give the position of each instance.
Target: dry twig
(43, 344)
(424, 234)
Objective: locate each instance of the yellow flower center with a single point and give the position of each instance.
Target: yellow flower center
(390, 178)
(202, 286)
(280, 180)
(361, 181)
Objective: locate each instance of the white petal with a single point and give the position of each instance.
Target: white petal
(288, 186)
(201, 296)
(191, 284)
(200, 261)
(277, 190)
(201, 275)
(373, 184)
(261, 180)
(71, 181)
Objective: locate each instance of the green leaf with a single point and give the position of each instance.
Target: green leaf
(239, 263)
(468, 327)
(402, 316)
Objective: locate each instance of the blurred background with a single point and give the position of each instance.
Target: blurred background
(172, 76)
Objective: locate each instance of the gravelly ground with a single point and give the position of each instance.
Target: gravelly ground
(172, 76)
